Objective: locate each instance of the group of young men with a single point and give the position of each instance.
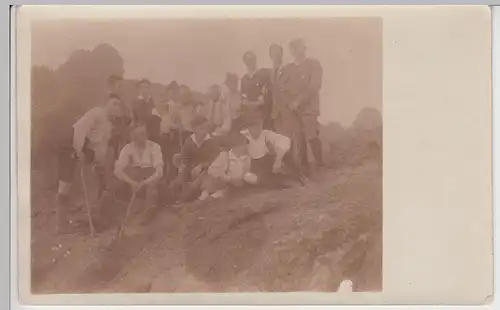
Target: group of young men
(254, 130)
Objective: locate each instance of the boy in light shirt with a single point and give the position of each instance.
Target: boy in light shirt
(271, 156)
(230, 169)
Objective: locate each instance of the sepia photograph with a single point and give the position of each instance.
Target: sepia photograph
(228, 155)
(253, 155)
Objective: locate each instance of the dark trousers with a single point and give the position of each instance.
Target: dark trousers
(67, 162)
(263, 168)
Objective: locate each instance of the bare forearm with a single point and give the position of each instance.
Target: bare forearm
(155, 177)
(122, 176)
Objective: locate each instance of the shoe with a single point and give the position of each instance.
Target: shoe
(204, 195)
(218, 194)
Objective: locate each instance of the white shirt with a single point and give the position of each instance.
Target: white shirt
(193, 137)
(260, 146)
(228, 164)
(165, 113)
(183, 114)
(96, 127)
(233, 101)
(133, 156)
(219, 114)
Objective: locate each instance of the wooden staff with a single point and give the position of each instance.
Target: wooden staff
(119, 233)
(87, 203)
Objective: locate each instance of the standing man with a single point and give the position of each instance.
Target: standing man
(286, 120)
(119, 136)
(254, 88)
(142, 111)
(87, 142)
(143, 105)
(306, 78)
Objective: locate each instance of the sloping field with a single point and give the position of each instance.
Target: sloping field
(306, 238)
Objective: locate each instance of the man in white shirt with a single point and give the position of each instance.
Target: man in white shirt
(140, 164)
(87, 142)
(138, 169)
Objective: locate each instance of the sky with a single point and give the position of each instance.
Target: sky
(199, 52)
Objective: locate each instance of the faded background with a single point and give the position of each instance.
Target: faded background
(199, 52)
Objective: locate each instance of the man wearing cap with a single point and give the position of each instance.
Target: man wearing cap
(304, 85)
(254, 88)
(286, 120)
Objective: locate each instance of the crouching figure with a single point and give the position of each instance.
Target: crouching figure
(138, 171)
(230, 169)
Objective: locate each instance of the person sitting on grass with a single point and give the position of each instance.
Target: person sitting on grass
(198, 152)
(137, 170)
(271, 157)
(230, 169)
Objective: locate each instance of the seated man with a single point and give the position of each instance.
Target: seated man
(137, 170)
(199, 151)
(230, 169)
(271, 156)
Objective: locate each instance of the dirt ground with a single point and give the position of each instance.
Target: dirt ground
(298, 239)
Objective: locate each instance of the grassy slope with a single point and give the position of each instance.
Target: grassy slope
(289, 240)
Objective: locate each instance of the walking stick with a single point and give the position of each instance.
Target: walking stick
(119, 233)
(87, 204)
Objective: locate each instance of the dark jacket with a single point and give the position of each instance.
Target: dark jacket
(252, 87)
(141, 110)
(303, 84)
(204, 154)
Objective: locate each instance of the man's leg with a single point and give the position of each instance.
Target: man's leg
(66, 170)
(151, 189)
(263, 169)
(311, 131)
(110, 210)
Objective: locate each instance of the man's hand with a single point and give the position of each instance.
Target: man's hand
(226, 178)
(80, 156)
(196, 171)
(294, 105)
(136, 186)
(278, 164)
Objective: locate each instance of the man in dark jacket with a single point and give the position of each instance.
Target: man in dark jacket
(121, 122)
(198, 152)
(255, 88)
(304, 84)
(142, 112)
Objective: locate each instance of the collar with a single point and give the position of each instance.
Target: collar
(247, 134)
(207, 137)
(251, 74)
(146, 145)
